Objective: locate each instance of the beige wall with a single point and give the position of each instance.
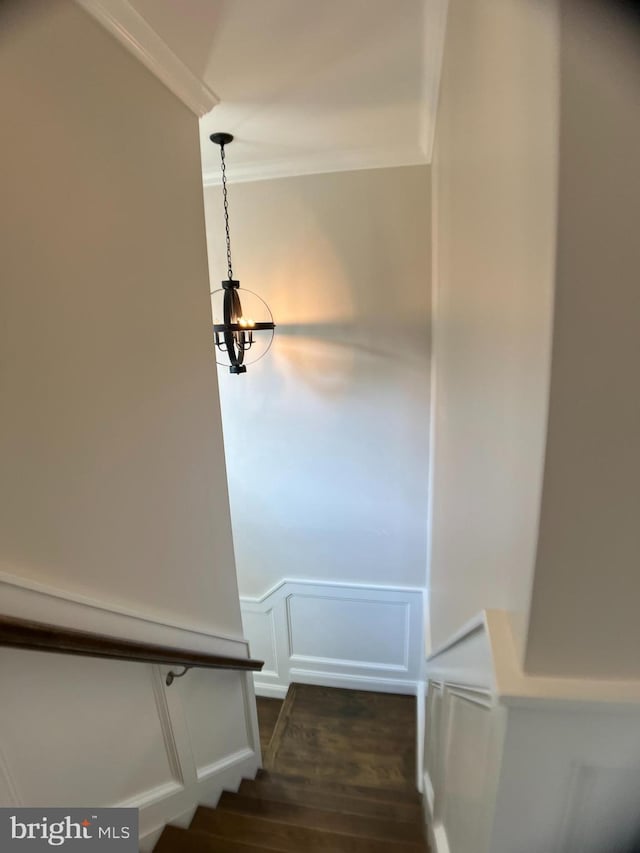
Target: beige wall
(111, 461)
(584, 617)
(494, 177)
(326, 437)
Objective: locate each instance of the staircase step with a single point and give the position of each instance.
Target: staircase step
(309, 795)
(174, 839)
(336, 735)
(380, 827)
(283, 836)
(394, 795)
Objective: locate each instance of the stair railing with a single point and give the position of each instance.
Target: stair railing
(41, 637)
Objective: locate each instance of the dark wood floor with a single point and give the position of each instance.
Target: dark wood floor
(268, 710)
(338, 777)
(343, 736)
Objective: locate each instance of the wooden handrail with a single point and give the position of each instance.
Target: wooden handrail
(38, 636)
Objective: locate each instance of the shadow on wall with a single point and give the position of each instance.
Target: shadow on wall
(325, 354)
(326, 438)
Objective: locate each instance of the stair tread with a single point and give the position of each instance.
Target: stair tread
(332, 734)
(329, 800)
(381, 827)
(362, 736)
(395, 794)
(175, 839)
(283, 836)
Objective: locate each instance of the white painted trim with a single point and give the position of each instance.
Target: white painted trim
(282, 585)
(515, 687)
(429, 794)
(354, 682)
(152, 797)
(522, 736)
(472, 626)
(511, 685)
(421, 709)
(483, 698)
(251, 715)
(271, 691)
(216, 767)
(128, 26)
(29, 599)
(158, 680)
(348, 664)
(178, 809)
(322, 162)
(434, 39)
(401, 673)
(438, 839)
(176, 795)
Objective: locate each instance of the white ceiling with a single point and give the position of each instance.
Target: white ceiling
(307, 85)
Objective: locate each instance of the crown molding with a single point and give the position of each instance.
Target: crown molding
(434, 36)
(123, 22)
(320, 163)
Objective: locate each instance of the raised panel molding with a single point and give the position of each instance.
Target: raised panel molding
(348, 644)
(460, 798)
(128, 26)
(202, 755)
(260, 628)
(514, 763)
(340, 635)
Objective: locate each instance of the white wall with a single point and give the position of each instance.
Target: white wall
(326, 437)
(522, 764)
(494, 189)
(113, 502)
(361, 637)
(111, 458)
(584, 617)
(114, 735)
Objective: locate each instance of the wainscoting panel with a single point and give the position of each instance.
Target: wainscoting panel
(431, 741)
(362, 637)
(260, 629)
(516, 763)
(82, 731)
(462, 793)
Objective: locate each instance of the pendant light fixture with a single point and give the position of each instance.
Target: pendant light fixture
(242, 322)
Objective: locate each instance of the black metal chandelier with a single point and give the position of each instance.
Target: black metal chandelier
(242, 332)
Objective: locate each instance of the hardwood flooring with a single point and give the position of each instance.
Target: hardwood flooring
(338, 777)
(345, 736)
(268, 710)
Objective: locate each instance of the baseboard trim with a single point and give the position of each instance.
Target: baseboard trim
(438, 839)
(271, 691)
(225, 763)
(421, 709)
(225, 774)
(354, 682)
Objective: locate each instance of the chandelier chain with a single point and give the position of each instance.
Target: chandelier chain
(226, 212)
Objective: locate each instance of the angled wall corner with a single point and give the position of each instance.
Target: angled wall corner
(134, 33)
(494, 189)
(584, 620)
